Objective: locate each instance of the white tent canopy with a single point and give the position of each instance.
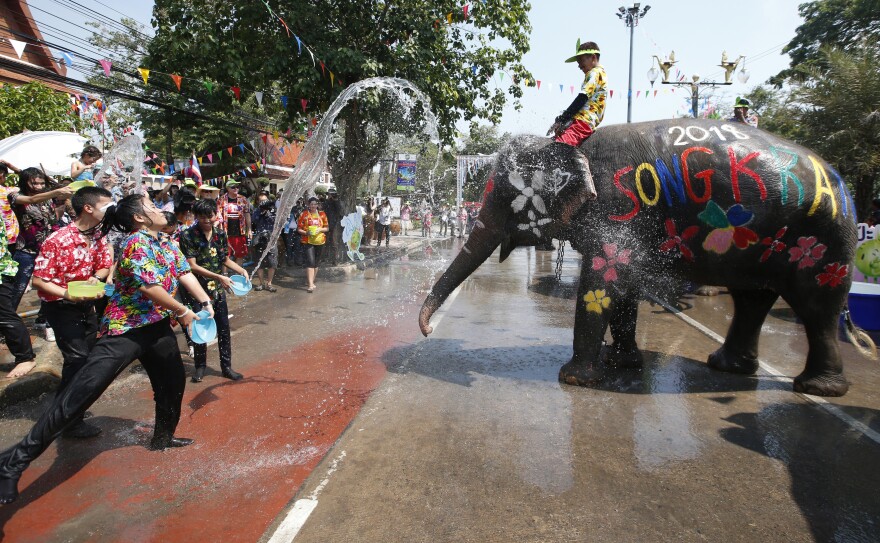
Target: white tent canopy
(54, 151)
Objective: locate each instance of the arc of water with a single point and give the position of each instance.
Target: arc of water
(312, 161)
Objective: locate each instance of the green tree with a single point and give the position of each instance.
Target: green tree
(243, 44)
(34, 106)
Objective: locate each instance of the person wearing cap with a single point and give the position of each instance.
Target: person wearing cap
(741, 112)
(235, 216)
(583, 116)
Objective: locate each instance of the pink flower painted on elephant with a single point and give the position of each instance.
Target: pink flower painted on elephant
(611, 260)
(833, 275)
(774, 244)
(807, 252)
(676, 241)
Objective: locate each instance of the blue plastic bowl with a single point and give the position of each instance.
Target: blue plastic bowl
(203, 330)
(109, 289)
(864, 305)
(240, 285)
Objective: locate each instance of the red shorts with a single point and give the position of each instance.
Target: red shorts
(238, 246)
(576, 134)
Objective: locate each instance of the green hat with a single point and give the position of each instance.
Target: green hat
(232, 183)
(578, 52)
(189, 182)
(741, 102)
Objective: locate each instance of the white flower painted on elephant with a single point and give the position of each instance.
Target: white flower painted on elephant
(528, 193)
(558, 180)
(534, 223)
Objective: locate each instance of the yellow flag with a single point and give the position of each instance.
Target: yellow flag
(331, 78)
(145, 73)
(200, 160)
(449, 18)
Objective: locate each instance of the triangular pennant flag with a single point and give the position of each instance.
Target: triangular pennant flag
(298, 44)
(200, 161)
(282, 150)
(237, 92)
(539, 84)
(275, 134)
(304, 103)
(259, 96)
(560, 88)
(249, 169)
(465, 9)
(210, 157)
(284, 102)
(331, 78)
(311, 55)
(638, 93)
(106, 65)
(18, 46)
(501, 76)
(145, 74)
(449, 18)
(611, 92)
(655, 94)
(67, 58)
(322, 67)
(572, 89)
(265, 138)
(219, 155)
(254, 145)
(176, 79)
(240, 146)
(209, 85)
(229, 150)
(474, 70)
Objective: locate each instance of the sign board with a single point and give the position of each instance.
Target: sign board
(867, 259)
(406, 172)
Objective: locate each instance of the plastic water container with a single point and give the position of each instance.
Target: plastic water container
(109, 289)
(76, 185)
(84, 289)
(203, 330)
(240, 286)
(864, 305)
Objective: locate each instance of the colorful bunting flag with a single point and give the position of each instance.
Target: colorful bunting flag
(210, 86)
(237, 92)
(240, 146)
(176, 79)
(18, 46)
(106, 65)
(284, 102)
(304, 103)
(219, 155)
(229, 150)
(67, 58)
(539, 84)
(210, 157)
(298, 44)
(259, 96)
(465, 9)
(145, 74)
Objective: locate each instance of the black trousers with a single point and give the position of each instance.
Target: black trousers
(224, 338)
(383, 230)
(156, 347)
(11, 326)
(76, 332)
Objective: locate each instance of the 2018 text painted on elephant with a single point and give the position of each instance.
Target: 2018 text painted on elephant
(678, 184)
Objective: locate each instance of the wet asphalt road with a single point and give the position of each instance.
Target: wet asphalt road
(352, 427)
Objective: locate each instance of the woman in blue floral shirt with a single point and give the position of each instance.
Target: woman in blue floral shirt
(136, 325)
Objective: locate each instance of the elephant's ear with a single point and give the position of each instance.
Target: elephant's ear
(567, 182)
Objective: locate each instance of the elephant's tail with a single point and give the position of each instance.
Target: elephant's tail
(858, 337)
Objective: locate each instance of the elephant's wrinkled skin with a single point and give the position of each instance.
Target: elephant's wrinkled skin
(711, 202)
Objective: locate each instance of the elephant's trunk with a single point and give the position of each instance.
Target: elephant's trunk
(483, 240)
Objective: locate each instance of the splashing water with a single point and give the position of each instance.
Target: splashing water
(124, 164)
(312, 161)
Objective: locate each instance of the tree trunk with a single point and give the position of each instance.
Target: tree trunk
(864, 196)
(358, 158)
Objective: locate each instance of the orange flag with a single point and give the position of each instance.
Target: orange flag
(176, 79)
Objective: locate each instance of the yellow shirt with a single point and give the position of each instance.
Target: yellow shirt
(594, 87)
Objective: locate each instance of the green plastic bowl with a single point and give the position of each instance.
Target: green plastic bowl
(83, 289)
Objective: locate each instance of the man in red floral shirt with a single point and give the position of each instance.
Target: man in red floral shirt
(235, 215)
(76, 252)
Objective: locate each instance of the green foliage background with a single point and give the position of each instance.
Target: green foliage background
(34, 106)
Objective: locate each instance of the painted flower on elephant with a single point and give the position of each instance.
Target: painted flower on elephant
(675, 241)
(597, 301)
(534, 223)
(774, 244)
(833, 275)
(530, 193)
(611, 260)
(729, 227)
(807, 252)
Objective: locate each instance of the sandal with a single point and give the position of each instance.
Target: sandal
(270, 288)
(258, 288)
(310, 290)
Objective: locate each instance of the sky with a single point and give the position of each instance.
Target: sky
(697, 30)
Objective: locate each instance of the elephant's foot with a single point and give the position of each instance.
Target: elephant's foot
(822, 384)
(618, 357)
(581, 375)
(724, 360)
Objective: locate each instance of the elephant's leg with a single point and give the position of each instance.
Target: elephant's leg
(624, 353)
(823, 373)
(739, 354)
(590, 320)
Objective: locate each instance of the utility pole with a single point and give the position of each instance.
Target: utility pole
(695, 84)
(630, 17)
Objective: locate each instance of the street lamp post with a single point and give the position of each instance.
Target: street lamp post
(630, 17)
(695, 84)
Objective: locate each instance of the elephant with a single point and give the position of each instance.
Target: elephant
(718, 203)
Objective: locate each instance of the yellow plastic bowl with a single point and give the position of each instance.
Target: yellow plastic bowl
(82, 289)
(76, 185)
